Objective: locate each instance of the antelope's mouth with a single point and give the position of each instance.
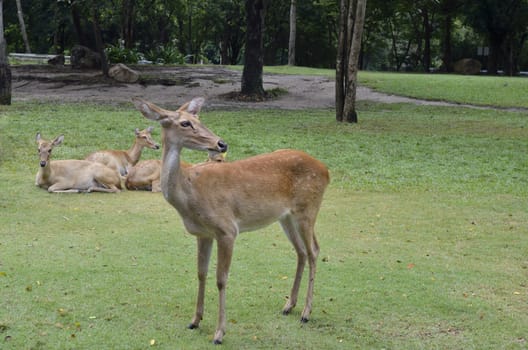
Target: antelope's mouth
(221, 147)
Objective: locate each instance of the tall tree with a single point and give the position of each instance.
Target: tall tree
(293, 33)
(252, 83)
(127, 22)
(5, 71)
(352, 20)
(99, 44)
(448, 11)
(503, 22)
(22, 26)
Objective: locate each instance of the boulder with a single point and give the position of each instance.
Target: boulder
(123, 74)
(57, 60)
(468, 66)
(83, 57)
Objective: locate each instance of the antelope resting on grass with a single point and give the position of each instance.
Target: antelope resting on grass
(73, 175)
(217, 201)
(123, 160)
(145, 175)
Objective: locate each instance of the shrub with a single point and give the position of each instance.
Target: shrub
(165, 54)
(118, 54)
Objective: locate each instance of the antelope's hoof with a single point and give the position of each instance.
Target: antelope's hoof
(217, 342)
(285, 312)
(192, 326)
(304, 320)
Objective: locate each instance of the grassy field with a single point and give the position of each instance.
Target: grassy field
(423, 233)
(504, 92)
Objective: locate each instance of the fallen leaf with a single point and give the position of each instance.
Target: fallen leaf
(152, 342)
(62, 312)
(410, 266)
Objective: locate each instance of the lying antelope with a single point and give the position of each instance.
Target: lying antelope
(73, 175)
(145, 175)
(217, 201)
(123, 160)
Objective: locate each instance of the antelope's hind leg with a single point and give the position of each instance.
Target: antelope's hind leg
(291, 232)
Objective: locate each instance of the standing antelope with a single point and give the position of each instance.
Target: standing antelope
(217, 201)
(122, 160)
(73, 175)
(145, 175)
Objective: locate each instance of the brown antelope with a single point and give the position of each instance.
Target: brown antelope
(217, 201)
(122, 160)
(73, 175)
(145, 175)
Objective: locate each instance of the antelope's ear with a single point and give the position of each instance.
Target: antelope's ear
(149, 129)
(195, 106)
(37, 137)
(148, 109)
(58, 140)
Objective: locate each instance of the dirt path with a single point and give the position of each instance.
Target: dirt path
(171, 86)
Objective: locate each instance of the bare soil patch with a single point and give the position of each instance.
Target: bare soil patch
(173, 85)
(170, 86)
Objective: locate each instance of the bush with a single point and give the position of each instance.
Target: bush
(168, 54)
(118, 54)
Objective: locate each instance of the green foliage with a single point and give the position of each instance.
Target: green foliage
(394, 35)
(165, 54)
(119, 54)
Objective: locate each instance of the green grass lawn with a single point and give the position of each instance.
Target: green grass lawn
(423, 234)
(505, 92)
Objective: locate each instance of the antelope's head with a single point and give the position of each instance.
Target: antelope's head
(45, 147)
(183, 126)
(144, 138)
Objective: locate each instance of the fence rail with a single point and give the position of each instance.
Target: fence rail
(35, 57)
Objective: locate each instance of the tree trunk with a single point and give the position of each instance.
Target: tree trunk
(428, 33)
(5, 71)
(127, 30)
(99, 40)
(252, 84)
(293, 33)
(493, 58)
(76, 19)
(349, 110)
(350, 56)
(447, 57)
(22, 26)
(341, 60)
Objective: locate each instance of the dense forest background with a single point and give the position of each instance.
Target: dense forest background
(399, 35)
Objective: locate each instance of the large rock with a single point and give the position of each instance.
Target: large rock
(83, 57)
(468, 66)
(56, 60)
(123, 74)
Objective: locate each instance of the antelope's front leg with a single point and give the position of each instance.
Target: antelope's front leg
(225, 252)
(204, 253)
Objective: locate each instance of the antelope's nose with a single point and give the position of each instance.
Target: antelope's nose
(222, 146)
(42, 163)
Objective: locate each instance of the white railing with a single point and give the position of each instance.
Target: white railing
(43, 58)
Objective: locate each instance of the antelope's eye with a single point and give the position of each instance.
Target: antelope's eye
(185, 123)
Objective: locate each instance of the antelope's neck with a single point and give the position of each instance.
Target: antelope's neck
(171, 171)
(44, 173)
(134, 153)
